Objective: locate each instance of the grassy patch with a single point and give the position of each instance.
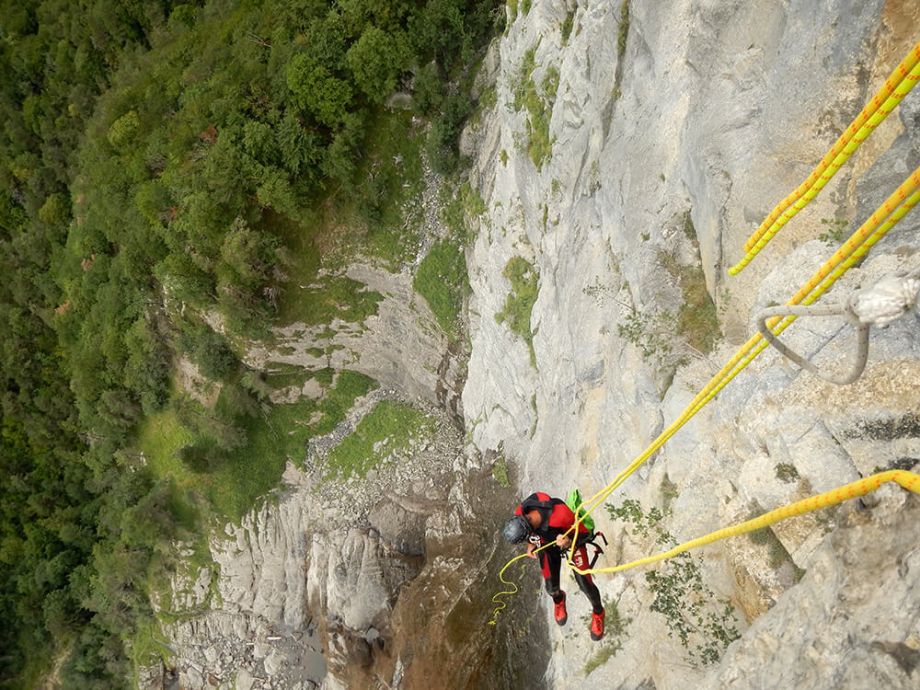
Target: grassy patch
(538, 102)
(623, 29)
(835, 230)
(149, 645)
(669, 492)
(253, 469)
(160, 437)
(389, 427)
(567, 24)
(442, 280)
(487, 100)
(283, 375)
(335, 297)
(441, 277)
(457, 205)
(786, 472)
(697, 319)
(519, 303)
(500, 472)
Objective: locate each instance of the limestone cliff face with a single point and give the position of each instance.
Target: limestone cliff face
(668, 147)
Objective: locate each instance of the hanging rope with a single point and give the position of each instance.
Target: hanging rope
(879, 223)
(876, 226)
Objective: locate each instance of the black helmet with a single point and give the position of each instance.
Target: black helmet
(516, 529)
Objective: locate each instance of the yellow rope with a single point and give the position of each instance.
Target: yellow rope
(902, 80)
(908, 480)
(514, 589)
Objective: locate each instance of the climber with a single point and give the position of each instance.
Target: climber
(541, 519)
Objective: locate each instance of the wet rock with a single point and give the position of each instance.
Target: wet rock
(400, 529)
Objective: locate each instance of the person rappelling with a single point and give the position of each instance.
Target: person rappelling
(540, 520)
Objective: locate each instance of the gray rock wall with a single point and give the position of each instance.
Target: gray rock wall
(719, 110)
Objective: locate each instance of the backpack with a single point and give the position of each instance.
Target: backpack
(575, 503)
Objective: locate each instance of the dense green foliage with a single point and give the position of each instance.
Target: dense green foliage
(157, 162)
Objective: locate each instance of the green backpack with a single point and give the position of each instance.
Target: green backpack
(574, 501)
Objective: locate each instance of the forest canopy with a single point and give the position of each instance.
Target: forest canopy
(157, 160)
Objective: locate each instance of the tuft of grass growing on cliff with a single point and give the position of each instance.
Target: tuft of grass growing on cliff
(519, 303)
(697, 319)
(538, 102)
(623, 28)
(703, 623)
(652, 333)
(512, 12)
(388, 428)
(459, 205)
(500, 472)
(786, 472)
(567, 25)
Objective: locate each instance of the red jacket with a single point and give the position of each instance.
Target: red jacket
(557, 517)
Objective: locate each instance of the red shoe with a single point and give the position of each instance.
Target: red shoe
(559, 612)
(597, 625)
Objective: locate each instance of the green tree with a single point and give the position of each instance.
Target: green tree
(148, 365)
(244, 270)
(376, 59)
(124, 129)
(316, 90)
(209, 350)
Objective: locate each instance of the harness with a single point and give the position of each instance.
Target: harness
(598, 550)
(546, 509)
